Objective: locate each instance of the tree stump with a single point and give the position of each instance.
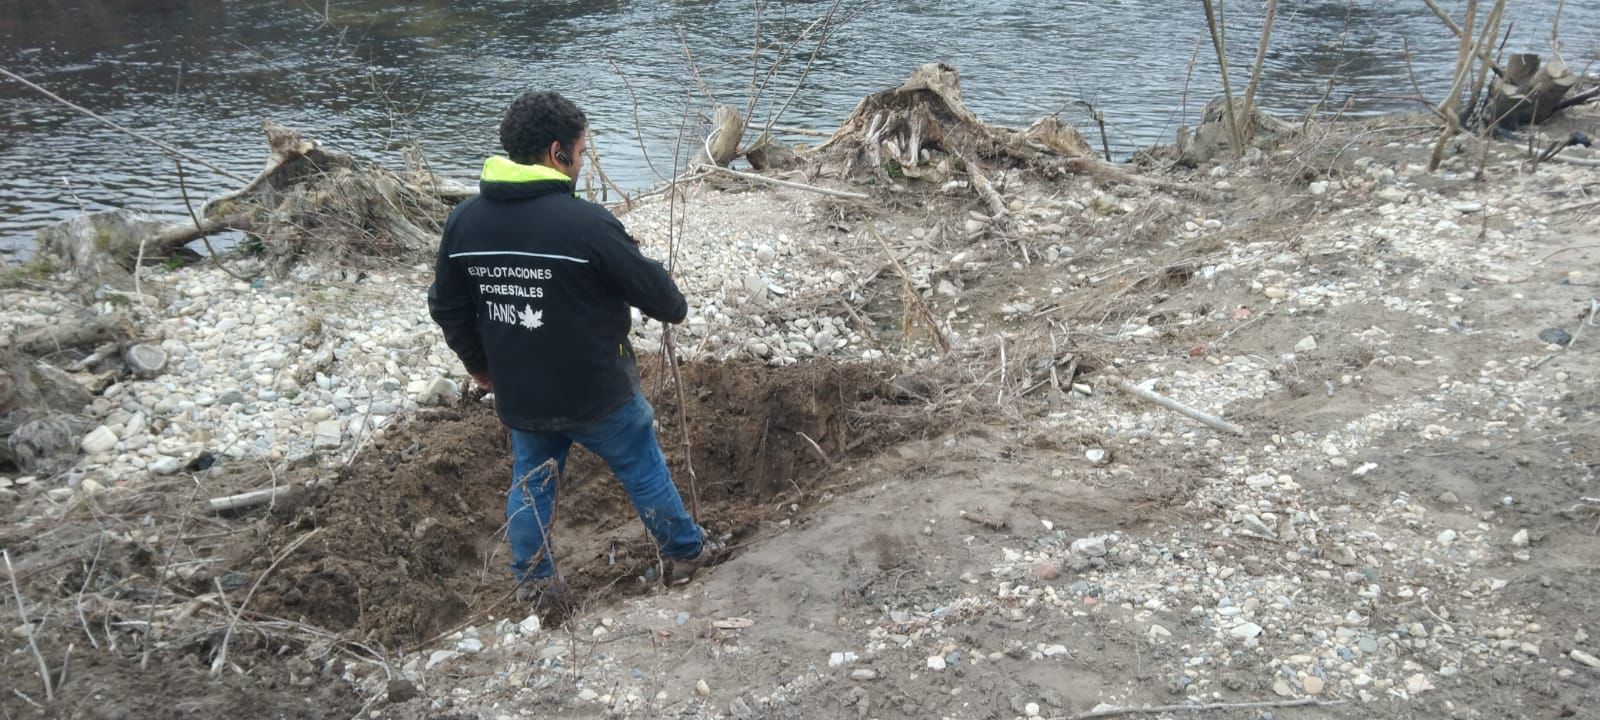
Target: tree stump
(1210, 137)
(923, 130)
(769, 154)
(723, 142)
(913, 130)
(99, 248)
(1530, 92)
(310, 199)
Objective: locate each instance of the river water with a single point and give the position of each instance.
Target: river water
(373, 76)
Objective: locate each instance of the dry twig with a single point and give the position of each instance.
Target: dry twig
(683, 428)
(1447, 107)
(755, 61)
(1261, 59)
(66, 661)
(605, 180)
(199, 228)
(245, 500)
(1576, 206)
(552, 474)
(1157, 709)
(221, 659)
(1483, 53)
(1177, 407)
(793, 130)
(88, 575)
(1478, 86)
(694, 68)
(33, 644)
(668, 350)
(161, 581)
(814, 446)
(911, 292)
(827, 31)
(1219, 41)
(638, 128)
(785, 183)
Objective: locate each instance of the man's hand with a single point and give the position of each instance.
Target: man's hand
(482, 379)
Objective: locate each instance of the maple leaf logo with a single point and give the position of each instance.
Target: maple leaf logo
(530, 318)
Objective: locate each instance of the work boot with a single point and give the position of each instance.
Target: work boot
(548, 593)
(712, 551)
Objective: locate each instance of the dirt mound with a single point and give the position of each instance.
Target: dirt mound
(410, 542)
(403, 533)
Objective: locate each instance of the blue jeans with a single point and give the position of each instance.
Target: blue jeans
(626, 440)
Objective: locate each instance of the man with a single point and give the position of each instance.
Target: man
(532, 288)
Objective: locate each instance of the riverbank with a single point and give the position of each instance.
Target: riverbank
(356, 77)
(1407, 529)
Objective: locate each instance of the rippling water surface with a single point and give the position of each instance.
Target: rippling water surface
(369, 77)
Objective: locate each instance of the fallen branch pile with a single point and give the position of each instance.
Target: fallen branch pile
(309, 199)
(922, 129)
(306, 200)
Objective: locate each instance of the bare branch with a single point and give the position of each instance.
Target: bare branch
(1261, 58)
(1157, 709)
(1214, 23)
(33, 644)
(638, 128)
(788, 184)
(198, 227)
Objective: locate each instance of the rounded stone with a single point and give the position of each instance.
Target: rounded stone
(145, 360)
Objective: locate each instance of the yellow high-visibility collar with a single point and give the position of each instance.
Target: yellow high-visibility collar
(503, 169)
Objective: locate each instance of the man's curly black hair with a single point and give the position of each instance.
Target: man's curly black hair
(536, 119)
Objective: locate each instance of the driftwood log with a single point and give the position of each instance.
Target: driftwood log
(98, 249)
(70, 335)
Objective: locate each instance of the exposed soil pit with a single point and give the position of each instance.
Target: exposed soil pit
(409, 540)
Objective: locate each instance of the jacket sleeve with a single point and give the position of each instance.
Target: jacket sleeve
(451, 305)
(643, 283)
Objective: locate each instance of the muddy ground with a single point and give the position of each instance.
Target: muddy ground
(909, 534)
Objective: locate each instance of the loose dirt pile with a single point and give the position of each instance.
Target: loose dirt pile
(402, 533)
(410, 537)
